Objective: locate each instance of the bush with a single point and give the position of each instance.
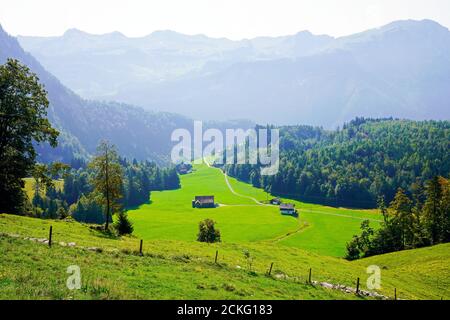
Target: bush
(62, 213)
(207, 232)
(123, 225)
(353, 252)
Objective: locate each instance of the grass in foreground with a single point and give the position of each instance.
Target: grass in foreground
(181, 265)
(32, 270)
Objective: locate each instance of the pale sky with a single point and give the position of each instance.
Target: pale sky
(234, 19)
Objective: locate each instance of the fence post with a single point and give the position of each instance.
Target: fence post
(140, 247)
(217, 252)
(270, 269)
(395, 293)
(357, 286)
(50, 236)
(309, 277)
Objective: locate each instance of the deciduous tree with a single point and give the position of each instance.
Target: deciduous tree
(107, 179)
(23, 120)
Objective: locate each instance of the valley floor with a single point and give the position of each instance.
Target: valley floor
(241, 217)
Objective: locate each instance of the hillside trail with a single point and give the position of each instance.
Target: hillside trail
(234, 192)
(270, 205)
(241, 195)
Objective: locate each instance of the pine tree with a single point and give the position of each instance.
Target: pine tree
(432, 209)
(123, 224)
(400, 208)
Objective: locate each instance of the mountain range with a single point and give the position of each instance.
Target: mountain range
(401, 70)
(136, 132)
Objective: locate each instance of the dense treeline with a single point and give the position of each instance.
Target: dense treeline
(143, 177)
(78, 199)
(422, 220)
(354, 165)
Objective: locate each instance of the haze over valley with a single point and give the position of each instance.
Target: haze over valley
(399, 70)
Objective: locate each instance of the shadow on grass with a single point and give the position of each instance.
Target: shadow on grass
(137, 206)
(100, 231)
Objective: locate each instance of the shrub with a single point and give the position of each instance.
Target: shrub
(123, 225)
(353, 252)
(207, 232)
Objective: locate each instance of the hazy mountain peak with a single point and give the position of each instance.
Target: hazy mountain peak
(114, 35)
(165, 34)
(74, 32)
(304, 33)
(416, 27)
(413, 24)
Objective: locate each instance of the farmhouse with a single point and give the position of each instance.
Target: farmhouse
(203, 202)
(288, 209)
(184, 168)
(275, 201)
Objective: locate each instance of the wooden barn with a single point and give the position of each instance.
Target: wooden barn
(203, 202)
(288, 209)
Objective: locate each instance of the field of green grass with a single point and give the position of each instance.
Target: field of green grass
(31, 270)
(174, 269)
(318, 229)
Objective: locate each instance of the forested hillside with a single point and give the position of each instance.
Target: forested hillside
(354, 165)
(77, 198)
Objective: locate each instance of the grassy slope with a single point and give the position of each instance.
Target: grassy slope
(31, 270)
(319, 229)
(425, 271)
(184, 269)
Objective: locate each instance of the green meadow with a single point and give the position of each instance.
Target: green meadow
(241, 217)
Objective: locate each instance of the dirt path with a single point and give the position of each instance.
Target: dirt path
(340, 215)
(240, 195)
(290, 234)
(234, 192)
